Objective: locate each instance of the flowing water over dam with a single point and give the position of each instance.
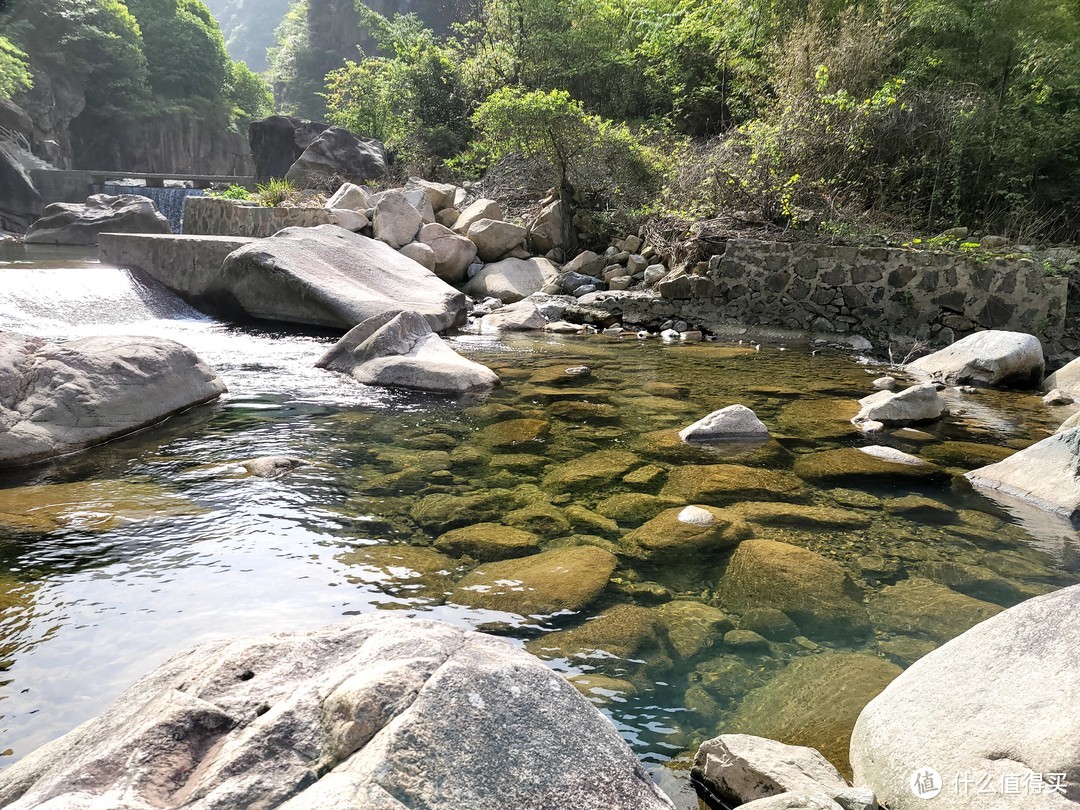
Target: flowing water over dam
(117, 557)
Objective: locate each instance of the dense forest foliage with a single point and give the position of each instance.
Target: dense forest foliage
(131, 60)
(248, 27)
(917, 115)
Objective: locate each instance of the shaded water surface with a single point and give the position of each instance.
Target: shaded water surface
(113, 559)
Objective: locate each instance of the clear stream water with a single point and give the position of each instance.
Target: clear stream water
(113, 559)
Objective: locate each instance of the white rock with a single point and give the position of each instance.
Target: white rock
(381, 713)
(999, 702)
(453, 252)
(654, 273)
(349, 220)
(669, 334)
(512, 279)
(1057, 397)
(420, 253)
(396, 220)
(732, 422)
(58, 398)
(481, 209)
(740, 768)
(893, 455)
(399, 350)
(550, 230)
(993, 358)
(349, 197)
(691, 336)
(520, 317)
(920, 403)
(696, 516)
(564, 328)
(586, 263)
(885, 383)
(440, 195)
(1066, 379)
(494, 238)
(1046, 474)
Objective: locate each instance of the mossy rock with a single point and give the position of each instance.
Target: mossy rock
(602, 689)
(467, 457)
(493, 412)
(400, 459)
(854, 499)
(403, 570)
(589, 413)
(667, 445)
(634, 508)
(967, 455)
(514, 432)
(666, 537)
(905, 650)
(488, 541)
(559, 375)
(771, 623)
(432, 441)
(812, 590)
(569, 578)
(648, 476)
(663, 389)
(815, 701)
(721, 484)
(693, 627)
(442, 512)
(518, 462)
(89, 506)
(979, 583)
(546, 394)
(628, 632)
(589, 522)
(920, 607)
(851, 466)
(923, 510)
(800, 516)
(591, 471)
(727, 677)
(819, 420)
(540, 518)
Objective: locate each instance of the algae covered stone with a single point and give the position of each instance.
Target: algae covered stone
(693, 627)
(721, 484)
(634, 508)
(919, 607)
(488, 541)
(811, 589)
(598, 469)
(402, 570)
(851, 466)
(800, 516)
(441, 512)
(632, 633)
(568, 578)
(513, 432)
(681, 533)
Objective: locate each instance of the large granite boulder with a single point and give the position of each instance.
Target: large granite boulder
(919, 403)
(81, 223)
(57, 398)
(998, 706)
(453, 252)
(1046, 475)
(338, 155)
(400, 350)
(327, 276)
(512, 279)
(732, 422)
(277, 143)
(494, 238)
(20, 203)
(994, 359)
(383, 713)
(552, 228)
(1066, 379)
(396, 220)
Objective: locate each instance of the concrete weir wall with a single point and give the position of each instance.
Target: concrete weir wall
(880, 293)
(184, 264)
(217, 217)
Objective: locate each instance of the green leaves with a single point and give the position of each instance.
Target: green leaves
(14, 70)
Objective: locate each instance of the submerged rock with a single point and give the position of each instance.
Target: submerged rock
(57, 398)
(488, 541)
(732, 422)
(569, 578)
(381, 712)
(1046, 474)
(919, 607)
(399, 350)
(272, 466)
(725, 483)
(594, 470)
(81, 223)
(693, 627)
(811, 589)
(327, 276)
(632, 633)
(993, 359)
(684, 533)
(865, 465)
(998, 704)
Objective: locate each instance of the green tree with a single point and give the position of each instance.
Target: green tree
(249, 93)
(14, 69)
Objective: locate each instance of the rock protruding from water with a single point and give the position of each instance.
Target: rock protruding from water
(335, 155)
(741, 768)
(1046, 475)
(326, 276)
(914, 405)
(991, 359)
(999, 706)
(400, 350)
(81, 223)
(381, 712)
(732, 422)
(58, 398)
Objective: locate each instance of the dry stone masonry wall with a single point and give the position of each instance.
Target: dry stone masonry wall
(878, 292)
(216, 217)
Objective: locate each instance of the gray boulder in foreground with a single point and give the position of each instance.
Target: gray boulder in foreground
(399, 350)
(741, 768)
(327, 276)
(1046, 474)
(998, 705)
(732, 422)
(992, 358)
(58, 398)
(919, 403)
(81, 223)
(381, 713)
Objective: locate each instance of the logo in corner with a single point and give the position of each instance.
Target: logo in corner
(925, 783)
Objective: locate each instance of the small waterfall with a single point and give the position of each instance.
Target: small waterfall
(169, 201)
(57, 301)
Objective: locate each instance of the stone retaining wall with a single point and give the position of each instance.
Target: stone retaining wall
(881, 293)
(217, 217)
